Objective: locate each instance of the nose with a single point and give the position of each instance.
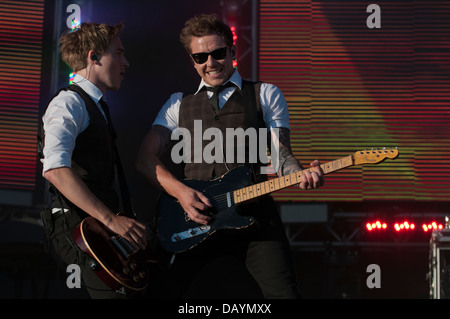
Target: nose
(125, 62)
(211, 61)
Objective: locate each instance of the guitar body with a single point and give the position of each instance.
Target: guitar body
(120, 265)
(177, 233)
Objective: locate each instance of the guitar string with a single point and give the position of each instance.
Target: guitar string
(222, 200)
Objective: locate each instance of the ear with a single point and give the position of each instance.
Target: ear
(93, 57)
(233, 52)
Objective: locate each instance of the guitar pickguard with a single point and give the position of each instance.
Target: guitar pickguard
(177, 234)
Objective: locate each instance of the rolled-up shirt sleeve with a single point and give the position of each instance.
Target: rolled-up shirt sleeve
(274, 106)
(64, 119)
(168, 116)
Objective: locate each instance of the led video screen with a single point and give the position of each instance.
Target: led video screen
(359, 76)
(21, 45)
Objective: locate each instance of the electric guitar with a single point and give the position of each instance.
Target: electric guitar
(118, 263)
(177, 233)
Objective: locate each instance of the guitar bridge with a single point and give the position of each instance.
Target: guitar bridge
(192, 232)
(123, 246)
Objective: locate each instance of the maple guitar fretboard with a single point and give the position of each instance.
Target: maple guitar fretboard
(275, 184)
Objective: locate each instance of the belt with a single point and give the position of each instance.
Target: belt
(56, 212)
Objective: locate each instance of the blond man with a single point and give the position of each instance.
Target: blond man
(79, 153)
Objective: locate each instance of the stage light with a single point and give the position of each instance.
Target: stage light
(71, 77)
(233, 30)
(406, 226)
(403, 226)
(75, 24)
(376, 225)
(431, 226)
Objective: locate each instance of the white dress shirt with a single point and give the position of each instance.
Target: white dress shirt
(65, 118)
(273, 105)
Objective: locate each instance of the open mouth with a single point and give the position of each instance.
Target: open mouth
(214, 73)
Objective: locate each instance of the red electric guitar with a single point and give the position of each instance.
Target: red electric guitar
(119, 264)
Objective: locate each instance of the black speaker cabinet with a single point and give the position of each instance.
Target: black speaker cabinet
(439, 271)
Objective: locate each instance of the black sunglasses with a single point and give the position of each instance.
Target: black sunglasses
(218, 54)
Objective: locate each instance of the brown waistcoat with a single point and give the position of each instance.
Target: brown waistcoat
(232, 115)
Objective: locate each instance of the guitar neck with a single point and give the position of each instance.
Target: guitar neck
(275, 184)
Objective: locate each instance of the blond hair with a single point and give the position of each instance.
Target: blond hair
(75, 45)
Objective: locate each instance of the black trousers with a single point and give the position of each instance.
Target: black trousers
(246, 263)
(59, 229)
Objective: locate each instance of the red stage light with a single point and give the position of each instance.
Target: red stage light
(233, 30)
(376, 225)
(406, 225)
(431, 226)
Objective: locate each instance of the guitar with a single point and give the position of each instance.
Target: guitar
(177, 233)
(118, 264)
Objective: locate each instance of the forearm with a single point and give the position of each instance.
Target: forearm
(76, 191)
(149, 164)
(287, 162)
(289, 165)
(157, 174)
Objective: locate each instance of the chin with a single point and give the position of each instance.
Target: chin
(115, 87)
(216, 82)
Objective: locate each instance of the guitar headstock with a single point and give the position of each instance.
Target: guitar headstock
(374, 156)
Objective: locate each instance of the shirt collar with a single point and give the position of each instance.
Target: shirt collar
(88, 87)
(235, 78)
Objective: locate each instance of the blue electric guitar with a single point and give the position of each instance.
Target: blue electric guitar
(177, 233)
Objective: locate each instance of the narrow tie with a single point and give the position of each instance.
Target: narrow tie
(108, 117)
(214, 100)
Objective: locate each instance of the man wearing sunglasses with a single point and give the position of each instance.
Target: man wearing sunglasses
(263, 249)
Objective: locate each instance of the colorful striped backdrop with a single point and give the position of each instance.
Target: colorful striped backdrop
(21, 35)
(351, 87)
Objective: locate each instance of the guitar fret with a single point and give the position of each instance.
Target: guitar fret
(298, 177)
(275, 184)
(340, 164)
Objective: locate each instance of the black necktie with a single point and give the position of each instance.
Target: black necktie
(108, 117)
(214, 100)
